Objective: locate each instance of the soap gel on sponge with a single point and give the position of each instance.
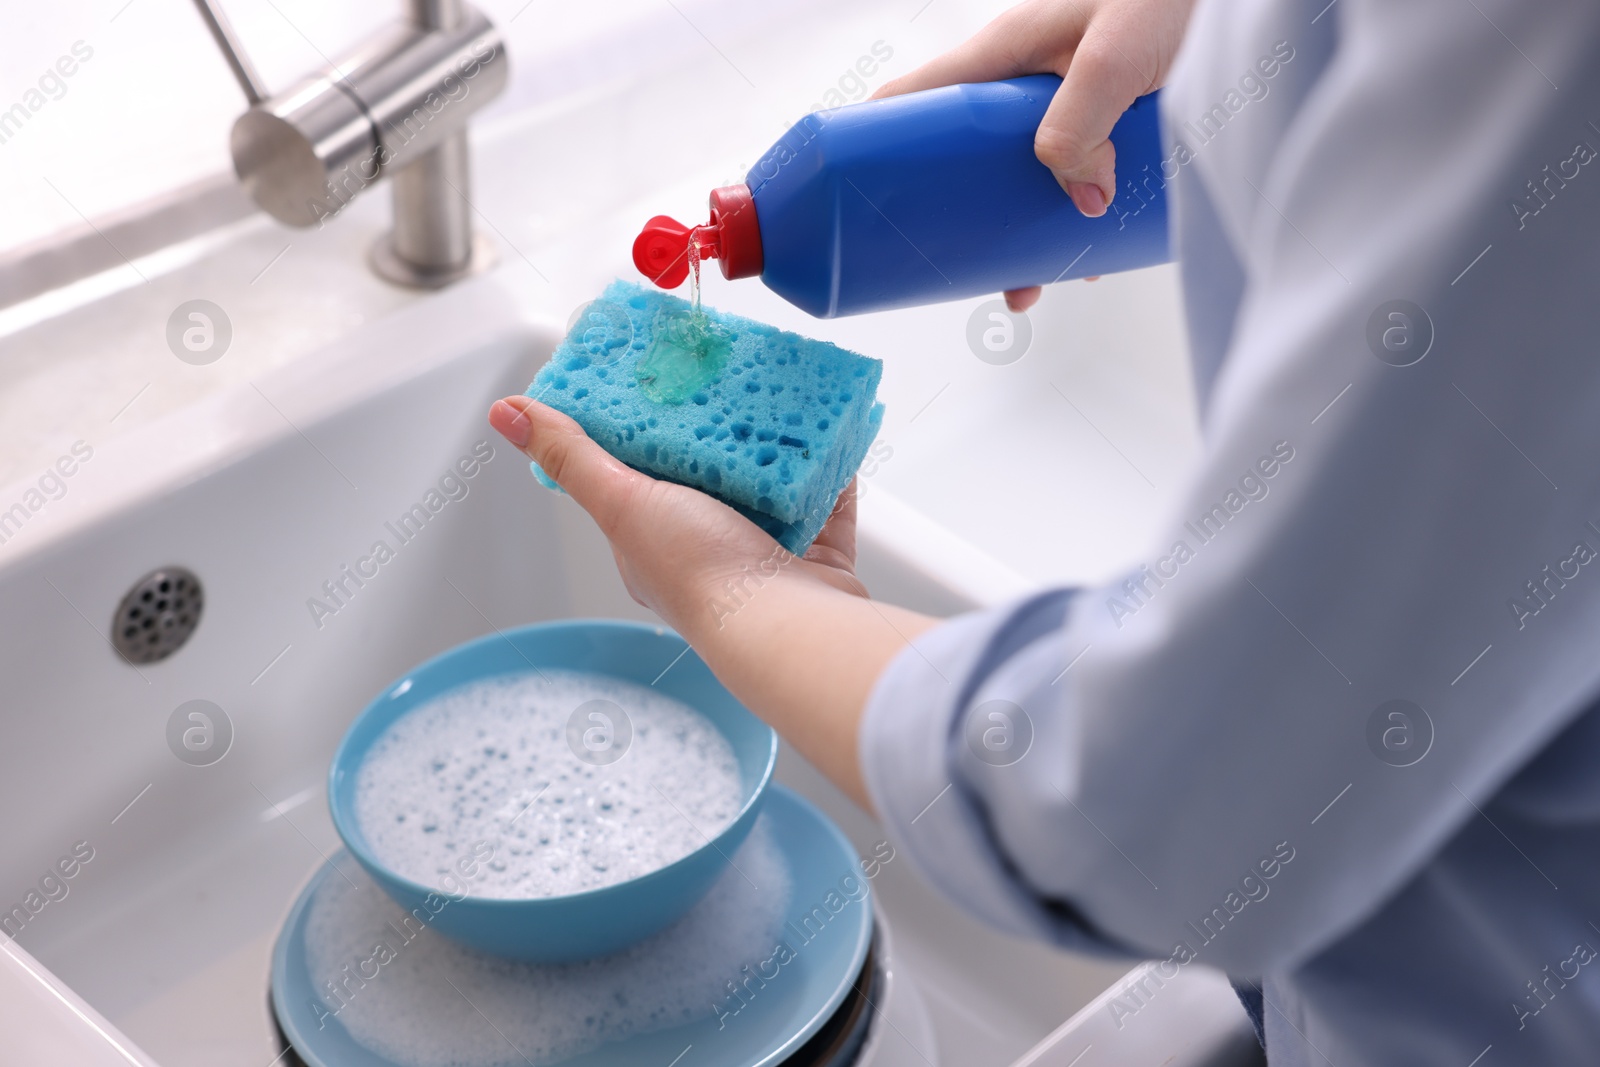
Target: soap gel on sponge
(917, 199)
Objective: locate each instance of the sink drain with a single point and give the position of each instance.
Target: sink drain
(157, 615)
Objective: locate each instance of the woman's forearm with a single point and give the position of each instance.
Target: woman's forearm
(804, 657)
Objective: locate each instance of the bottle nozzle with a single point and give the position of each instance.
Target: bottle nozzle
(732, 237)
(661, 251)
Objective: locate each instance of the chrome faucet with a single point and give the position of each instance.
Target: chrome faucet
(397, 107)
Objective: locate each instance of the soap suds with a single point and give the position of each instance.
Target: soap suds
(424, 1002)
(497, 762)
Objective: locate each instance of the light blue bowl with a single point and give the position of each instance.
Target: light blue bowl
(600, 921)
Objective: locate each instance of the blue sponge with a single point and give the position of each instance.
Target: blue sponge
(771, 423)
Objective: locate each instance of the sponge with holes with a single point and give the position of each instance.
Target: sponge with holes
(776, 432)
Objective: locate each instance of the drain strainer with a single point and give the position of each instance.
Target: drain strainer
(157, 615)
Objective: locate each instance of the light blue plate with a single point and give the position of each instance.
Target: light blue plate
(767, 1029)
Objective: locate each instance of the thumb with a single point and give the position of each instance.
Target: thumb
(1101, 82)
(601, 484)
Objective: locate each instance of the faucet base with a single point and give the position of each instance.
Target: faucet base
(387, 264)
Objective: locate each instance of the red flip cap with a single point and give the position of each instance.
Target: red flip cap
(732, 237)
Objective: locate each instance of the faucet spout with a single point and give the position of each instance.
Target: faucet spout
(397, 107)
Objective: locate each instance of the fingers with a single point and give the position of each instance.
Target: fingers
(1009, 46)
(1099, 81)
(1023, 299)
(976, 60)
(601, 484)
(1074, 139)
(835, 546)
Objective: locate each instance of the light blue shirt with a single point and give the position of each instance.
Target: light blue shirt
(1339, 733)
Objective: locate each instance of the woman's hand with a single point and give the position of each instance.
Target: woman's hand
(1108, 54)
(687, 557)
(797, 640)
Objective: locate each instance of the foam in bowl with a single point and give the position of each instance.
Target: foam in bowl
(572, 781)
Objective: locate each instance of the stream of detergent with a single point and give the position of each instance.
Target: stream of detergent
(694, 273)
(688, 350)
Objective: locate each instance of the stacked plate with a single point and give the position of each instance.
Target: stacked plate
(411, 998)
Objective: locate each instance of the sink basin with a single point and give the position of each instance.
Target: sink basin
(274, 495)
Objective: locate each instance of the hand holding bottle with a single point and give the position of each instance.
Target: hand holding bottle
(1107, 52)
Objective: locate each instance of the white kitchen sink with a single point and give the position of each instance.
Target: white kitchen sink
(343, 405)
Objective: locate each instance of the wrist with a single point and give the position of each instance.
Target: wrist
(714, 601)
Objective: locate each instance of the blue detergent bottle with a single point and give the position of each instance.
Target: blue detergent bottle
(917, 199)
